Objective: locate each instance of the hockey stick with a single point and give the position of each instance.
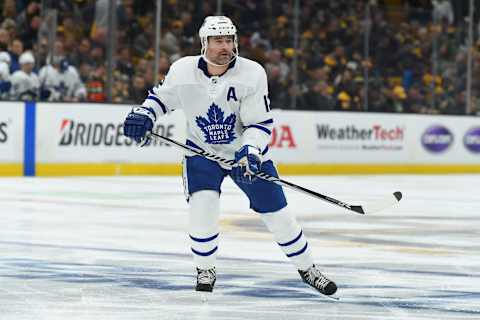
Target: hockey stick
(377, 206)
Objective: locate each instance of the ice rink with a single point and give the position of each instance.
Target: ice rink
(117, 248)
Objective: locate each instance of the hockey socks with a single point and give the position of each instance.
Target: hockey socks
(203, 227)
(289, 236)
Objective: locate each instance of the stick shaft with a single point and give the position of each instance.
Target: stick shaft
(262, 175)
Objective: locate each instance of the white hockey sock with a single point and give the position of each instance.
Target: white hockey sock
(289, 236)
(203, 227)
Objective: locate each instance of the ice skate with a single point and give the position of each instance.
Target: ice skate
(313, 277)
(205, 280)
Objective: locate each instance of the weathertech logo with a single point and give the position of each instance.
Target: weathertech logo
(376, 137)
(101, 134)
(351, 132)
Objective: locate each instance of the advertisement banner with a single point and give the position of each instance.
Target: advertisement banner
(446, 139)
(92, 133)
(337, 137)
(11, 132)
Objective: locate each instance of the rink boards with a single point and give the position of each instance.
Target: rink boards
(57, 139)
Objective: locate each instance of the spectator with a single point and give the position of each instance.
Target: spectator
(16, 50)
(28, 23)
(4, 40)
(96, 85)
(320, 97)
(124, 64)
(443, 11)
(82, 53)
(138, 89)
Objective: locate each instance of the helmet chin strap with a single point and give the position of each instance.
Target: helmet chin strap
(204, 56)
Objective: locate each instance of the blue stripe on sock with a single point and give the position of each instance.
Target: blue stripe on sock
(298, 252)
(204, 239)
(291, 242)
(204, 254)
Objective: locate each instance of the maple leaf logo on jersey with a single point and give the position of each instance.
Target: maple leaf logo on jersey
(215, 128)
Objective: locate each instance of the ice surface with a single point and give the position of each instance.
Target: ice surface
(116, 248)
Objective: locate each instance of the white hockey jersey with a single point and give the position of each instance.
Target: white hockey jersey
(223, 112)
(24, 86)
(4, 79)
(4, 71)
(63, 86)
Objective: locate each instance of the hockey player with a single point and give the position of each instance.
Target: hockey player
(5, 83)
(25, 83)
(225, 100)
(61, 82)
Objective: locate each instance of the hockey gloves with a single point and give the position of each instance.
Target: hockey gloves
(139, 124)
(247, 164)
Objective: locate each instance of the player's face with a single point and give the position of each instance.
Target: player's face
(27, 67)
(220, 49)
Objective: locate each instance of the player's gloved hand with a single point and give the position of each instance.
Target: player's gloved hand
(248, 162)
(139, 124)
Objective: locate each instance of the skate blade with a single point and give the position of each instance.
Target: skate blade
(205, 296)
(332, 297)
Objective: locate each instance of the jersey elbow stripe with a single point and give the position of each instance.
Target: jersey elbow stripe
(292, 241)
(154, 98)
(299, 252)
(204, 239)
(264, 152)
(269, 121)
(267, 131)
(205, 254)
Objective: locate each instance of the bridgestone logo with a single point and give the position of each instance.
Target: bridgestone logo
(102, 134)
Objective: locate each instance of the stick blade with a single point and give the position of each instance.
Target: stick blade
(357, 209)
(382, 204)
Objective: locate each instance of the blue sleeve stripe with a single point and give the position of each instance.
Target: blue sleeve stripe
(204, 239)
(152, 111)
(292, 241)
(267, 131)
(205, 254)
(164, 109)
(269, 121)
(299, 252)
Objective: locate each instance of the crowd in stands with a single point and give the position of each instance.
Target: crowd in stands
(416, 62)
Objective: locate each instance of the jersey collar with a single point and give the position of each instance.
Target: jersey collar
(202, 65)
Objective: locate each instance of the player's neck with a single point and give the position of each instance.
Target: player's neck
(216, 70)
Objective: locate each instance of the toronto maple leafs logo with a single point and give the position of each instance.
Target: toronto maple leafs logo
(215, 128)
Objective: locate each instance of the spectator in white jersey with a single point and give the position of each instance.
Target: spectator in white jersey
(25, 83)
(225, 101)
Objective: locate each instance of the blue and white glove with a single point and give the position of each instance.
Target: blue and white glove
(138, 124)
(248, 163)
